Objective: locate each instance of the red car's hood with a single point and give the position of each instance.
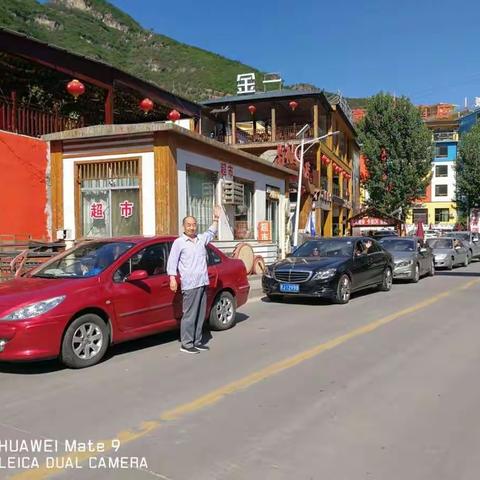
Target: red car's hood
(27, 290)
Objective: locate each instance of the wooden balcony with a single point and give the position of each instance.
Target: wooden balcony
(282, 134)
(33, 121)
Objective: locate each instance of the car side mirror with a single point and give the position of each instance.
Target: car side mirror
(137, 275)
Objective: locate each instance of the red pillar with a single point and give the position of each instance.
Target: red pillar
(109, 106)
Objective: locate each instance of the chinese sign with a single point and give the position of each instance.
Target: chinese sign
(369, 221)
(126, 209)
(226, 170)
(265, 231)
(246, 83)
(97, 211)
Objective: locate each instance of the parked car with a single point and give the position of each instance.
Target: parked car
(104, 292)
(431, 234)
(331, 268)
(384, 233)
(471, 239)
(412, 258)
(447, 252)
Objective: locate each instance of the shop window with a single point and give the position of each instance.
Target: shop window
(272, 210)
(244, 225)
(441, 190)
(109, 198)
(441, 170)
(441, 215)
(201, 195)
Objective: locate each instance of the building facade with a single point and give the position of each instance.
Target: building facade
(115, 180)
(267, 124)
(437, 206)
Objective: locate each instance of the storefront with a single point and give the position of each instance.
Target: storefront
(371, 220)
(144, 179)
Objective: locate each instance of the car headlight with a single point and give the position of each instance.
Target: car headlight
(441, 256)
(268, 272)
(35, 309)
(404, 263)
(323, 274)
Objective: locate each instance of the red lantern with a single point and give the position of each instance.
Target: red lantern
(146, 105)
(293, 105)
(76, 88)
(252, 109)
(174, 116)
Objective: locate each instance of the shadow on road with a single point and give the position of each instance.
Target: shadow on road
(48, 366)
(457, 273)
(316, 301)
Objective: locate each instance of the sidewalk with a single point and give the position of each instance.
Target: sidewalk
(255, 285)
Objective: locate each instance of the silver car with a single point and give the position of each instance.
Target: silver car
(448, 252)
(411, 257)
(472, 241)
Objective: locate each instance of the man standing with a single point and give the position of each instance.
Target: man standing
(188, 257)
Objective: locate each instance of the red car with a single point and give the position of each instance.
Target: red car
(104, 292)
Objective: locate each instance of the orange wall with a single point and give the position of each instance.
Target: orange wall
(23, 192)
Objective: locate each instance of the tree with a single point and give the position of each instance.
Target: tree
(398, 150)
(468, 170)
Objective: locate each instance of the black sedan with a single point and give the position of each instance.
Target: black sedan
(330, 268)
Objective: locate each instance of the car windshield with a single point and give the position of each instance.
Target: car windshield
(86, 260)
(325, 248)
(440, 242)
(463, 236)
(399, 245)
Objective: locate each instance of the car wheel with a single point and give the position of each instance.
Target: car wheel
(85, 341)
(387, 281)
(223, 312)
(344, 290)
(416, 274)
(431, 272)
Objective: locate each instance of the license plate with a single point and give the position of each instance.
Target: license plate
(289, 287)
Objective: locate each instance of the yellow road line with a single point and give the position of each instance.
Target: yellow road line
(219, 394)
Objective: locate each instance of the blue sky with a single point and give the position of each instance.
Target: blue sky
(425, 49)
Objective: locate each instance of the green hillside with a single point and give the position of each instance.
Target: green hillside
(99, 30)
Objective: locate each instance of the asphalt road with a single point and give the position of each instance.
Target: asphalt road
(382, 388)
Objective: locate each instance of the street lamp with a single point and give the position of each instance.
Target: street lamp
(310, 144)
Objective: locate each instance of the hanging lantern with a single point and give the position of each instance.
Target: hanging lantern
(293, 105)
(252, 109)
(146, 105)
(174, 115)
(76, 88)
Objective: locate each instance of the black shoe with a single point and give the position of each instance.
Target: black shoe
(189, 349)
(202, 348)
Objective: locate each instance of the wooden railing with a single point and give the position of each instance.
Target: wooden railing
(19, 257)
(33, 121)
(282, 134)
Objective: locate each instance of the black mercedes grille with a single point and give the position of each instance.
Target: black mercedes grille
(292, 276)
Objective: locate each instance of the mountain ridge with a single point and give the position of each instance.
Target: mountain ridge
(99, 30)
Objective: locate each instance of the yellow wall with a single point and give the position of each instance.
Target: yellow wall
(431, 206)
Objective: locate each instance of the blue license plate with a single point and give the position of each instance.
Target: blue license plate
(289, 287)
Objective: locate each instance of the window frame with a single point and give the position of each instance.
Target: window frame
(437, 151)
(437, 194)
(437, 167)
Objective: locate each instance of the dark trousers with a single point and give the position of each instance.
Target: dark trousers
(194, 310)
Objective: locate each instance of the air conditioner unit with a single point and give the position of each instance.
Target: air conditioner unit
(233, 193)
